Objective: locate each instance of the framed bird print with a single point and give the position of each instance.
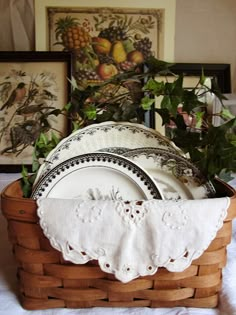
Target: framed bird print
(34, 87)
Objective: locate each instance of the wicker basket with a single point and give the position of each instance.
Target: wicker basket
(47, 281)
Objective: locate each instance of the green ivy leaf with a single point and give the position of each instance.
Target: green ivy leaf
(231, 138)
(165, 115)
(35, 165)
(186, 140)
(190, 101)
(202, 78)
(179, 122)
(166, 103)
(105, 116)
(226, 114)
(75, 126)
(67, 107)
(43, 140)
(24, 174)
(146, 103)
(26, 185)
(154, 86)
(54, 138)
(199, 119)
(156, 65)
(90, 111)
(73, 83)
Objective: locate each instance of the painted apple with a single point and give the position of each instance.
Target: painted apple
(135, 56)
(106, 71)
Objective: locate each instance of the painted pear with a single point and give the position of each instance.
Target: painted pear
(118, 52)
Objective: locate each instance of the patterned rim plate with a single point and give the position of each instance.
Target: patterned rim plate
(97, 175)
(176, 177)
(107, 136)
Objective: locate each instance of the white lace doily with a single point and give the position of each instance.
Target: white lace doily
(132, 238)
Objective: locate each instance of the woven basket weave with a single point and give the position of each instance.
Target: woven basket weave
(47, 281)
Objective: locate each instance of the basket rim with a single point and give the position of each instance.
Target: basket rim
(14, 186)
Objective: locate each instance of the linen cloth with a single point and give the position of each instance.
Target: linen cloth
(132, 238)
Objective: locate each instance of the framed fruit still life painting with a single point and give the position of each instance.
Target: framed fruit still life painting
(104, 41)
(106, 38)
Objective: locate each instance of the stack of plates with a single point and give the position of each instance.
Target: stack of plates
(119, 161)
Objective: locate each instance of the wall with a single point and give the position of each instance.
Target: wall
(17, 25)
(205, 30)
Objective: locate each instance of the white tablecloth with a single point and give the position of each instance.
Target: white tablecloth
(9, 304)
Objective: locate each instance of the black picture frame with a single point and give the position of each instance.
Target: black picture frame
(59, 66)
(220, 71)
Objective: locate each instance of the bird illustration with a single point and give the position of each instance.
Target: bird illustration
(23, 135)
(5, 88)
(16, 96)
(48, 95)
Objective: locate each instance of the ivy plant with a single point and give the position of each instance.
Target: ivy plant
(129, 95)
(184, 111)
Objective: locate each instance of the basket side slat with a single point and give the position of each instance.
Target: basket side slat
(73, 271)
(208, 258)
(36, 304)
(115, 286)
(34, 256)
(76, 294)
(40, 281)
(205, 292)
(165, 295)
(208, 302)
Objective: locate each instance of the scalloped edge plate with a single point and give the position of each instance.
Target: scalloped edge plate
(97, 175)
(108, 136)
(176, 177)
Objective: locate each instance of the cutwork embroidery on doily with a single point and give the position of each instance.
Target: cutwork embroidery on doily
(128, 269)
(100, 252)
(88, 214)
(132, 252)
(106, 266)
(132, 212)
(175, 217)
(80, 256)
(172, 260)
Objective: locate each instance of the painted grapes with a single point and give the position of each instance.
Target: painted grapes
(105, 44)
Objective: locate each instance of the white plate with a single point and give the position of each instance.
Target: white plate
(97, 176)
(108, 136)
(176, 177)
